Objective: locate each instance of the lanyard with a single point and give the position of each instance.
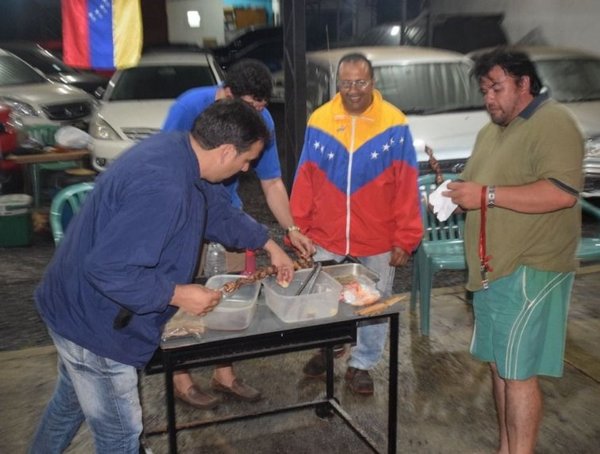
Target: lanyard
(484, 259)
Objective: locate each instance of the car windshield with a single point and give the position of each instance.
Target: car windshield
(571, 80)
(44, 61)
(14, 71)
(428, 88)
(159, 82)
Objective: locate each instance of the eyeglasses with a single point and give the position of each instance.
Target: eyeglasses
(360, 84)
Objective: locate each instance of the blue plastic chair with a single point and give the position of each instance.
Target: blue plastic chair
(589, 247)
(442, 248)
(65, 204)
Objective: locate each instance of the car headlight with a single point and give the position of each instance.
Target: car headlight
(20, 108)
(592, 147)
(100, 129)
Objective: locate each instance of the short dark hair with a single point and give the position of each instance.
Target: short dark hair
(354, 57)
(512, 61)
(249, 77)
(230, 121)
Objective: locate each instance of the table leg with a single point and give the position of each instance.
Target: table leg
(171, 422)
(34, 171)
(393, 385)
(329, 372)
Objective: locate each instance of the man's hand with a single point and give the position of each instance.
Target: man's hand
(399, 257)
(302, 243)
(195, 299)
(465, 194)
(284, 264)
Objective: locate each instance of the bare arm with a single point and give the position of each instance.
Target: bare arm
(279, 204)
(542, 196)
(285, 266)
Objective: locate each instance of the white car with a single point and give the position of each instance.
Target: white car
(573, 78)
(35, 100)
(432, 87)
(137, 99)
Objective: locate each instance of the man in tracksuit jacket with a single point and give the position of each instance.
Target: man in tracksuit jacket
(126, 263)
(355, 193)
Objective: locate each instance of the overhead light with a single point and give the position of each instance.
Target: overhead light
(193, 18)
(395, 30)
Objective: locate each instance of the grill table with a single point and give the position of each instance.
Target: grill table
(267, 335)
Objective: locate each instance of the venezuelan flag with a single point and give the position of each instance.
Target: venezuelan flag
(101, 34)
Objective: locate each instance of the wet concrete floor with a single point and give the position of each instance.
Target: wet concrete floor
(445, 404)
(444, 397)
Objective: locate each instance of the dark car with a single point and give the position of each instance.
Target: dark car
(261, 43)
(53, 68)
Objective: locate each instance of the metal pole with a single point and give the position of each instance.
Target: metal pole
(403, 28)
(294, 64)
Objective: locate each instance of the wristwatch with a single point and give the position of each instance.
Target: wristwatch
(491, 196)
(292, 228)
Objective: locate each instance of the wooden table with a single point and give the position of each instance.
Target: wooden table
(32, 161)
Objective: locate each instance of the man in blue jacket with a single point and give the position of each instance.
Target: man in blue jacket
(125, 267)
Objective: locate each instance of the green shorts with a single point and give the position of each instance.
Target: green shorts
(521, 323)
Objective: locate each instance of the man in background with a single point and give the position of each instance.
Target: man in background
(355, 193)
(248, 80)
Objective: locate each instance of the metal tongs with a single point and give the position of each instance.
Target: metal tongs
(309, 283)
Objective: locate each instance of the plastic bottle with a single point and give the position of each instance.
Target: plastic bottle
(215, 260)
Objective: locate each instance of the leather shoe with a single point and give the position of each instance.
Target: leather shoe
(316, 367)
(238, 389)
(359, 381)
(197, 398)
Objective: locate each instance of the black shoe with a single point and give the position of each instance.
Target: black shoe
(315, 367)
(359, 381)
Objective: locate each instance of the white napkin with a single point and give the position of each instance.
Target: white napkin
(443, 206)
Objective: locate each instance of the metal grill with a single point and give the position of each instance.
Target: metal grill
(67, 112)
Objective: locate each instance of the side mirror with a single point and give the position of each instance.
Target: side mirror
(99, 92)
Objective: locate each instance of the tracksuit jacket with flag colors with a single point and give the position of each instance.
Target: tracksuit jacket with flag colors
(355, 190)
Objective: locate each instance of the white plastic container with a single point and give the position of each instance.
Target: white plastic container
(322, 302)
(236, 310)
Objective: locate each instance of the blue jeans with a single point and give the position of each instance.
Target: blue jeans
(371, 336)
(98, 390)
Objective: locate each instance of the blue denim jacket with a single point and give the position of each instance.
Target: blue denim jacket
(138, 235)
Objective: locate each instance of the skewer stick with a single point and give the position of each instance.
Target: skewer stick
(435, 166)
(378, 308)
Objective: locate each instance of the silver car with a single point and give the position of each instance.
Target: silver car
(34, 99)
(432, 87)
(137, 99)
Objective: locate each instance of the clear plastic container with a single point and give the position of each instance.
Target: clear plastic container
(322, 302)
(236, 310)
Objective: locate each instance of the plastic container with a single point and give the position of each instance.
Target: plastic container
(16, 228)
(322, 302)
(215, 260)
(236, 310)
